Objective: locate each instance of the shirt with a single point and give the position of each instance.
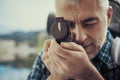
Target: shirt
(102, 62)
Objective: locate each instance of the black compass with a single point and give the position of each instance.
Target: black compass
(60, 30)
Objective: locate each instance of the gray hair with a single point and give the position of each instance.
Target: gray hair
(103, 4)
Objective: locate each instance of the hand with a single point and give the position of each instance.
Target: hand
(78, 62)
(54, 77)
(67, 59)
(50, 63)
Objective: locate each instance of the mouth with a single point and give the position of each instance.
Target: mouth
(88, 48)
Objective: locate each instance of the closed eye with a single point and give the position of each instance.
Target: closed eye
(90, 22)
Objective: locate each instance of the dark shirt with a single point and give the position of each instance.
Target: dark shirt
(103, 62)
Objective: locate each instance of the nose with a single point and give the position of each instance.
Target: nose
(78, 33)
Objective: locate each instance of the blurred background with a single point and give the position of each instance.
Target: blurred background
(22, 33)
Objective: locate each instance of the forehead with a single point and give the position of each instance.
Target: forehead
(77, 7)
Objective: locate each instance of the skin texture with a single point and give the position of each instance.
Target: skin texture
(88, 34)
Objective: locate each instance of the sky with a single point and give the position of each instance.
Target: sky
(24, 15)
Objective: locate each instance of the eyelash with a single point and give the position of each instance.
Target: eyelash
(85, 25)
(88, 24)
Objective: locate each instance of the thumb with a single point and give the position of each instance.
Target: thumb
(71, 46)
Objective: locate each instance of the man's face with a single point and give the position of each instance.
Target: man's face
(88, 24)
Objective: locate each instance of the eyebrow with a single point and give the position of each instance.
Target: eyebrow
(84, 21)
(90, 19)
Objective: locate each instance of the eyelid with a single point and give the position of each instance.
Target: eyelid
(90, 19)
(91, 22)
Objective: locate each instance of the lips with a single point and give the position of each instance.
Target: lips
(88, 48)
(86, 44)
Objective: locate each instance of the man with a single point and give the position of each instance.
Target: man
(88, 56)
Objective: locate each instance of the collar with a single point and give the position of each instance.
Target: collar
(104, 54)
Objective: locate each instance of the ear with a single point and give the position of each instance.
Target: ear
(109, 14)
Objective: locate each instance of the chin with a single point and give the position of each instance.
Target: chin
(91, 56)
(94, 53)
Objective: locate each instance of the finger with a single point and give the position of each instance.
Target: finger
(45, 56)
(57, 49)
(46, 44)
(72, 46)
(51, 66)
(64, 53)
(54, 43)
(58, 61)
(48, 63)
(45, 59)
(52, 57)
(61, 63)
(48, 57)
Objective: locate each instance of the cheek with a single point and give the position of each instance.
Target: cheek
(99, 31)
(98, 35)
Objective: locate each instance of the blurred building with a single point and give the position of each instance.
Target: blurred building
(8, 50)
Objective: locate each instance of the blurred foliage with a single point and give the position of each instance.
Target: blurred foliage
(34, 39)
(24, 62)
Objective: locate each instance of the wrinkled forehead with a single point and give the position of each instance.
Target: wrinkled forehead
(70, 6)
(75, 2)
